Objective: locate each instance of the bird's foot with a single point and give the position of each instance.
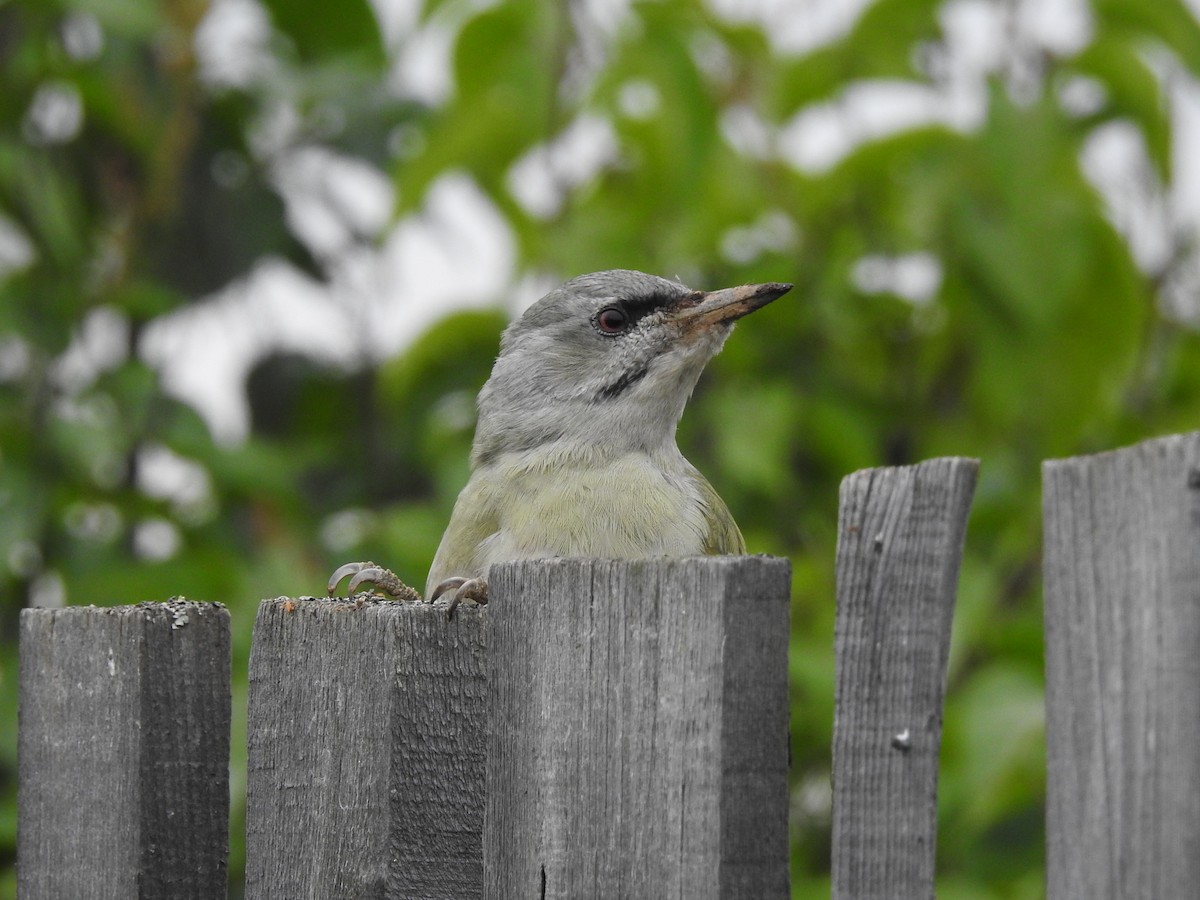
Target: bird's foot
(472, 590)
(368, 573)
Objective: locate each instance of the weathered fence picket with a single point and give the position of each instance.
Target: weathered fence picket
(637, 739)
(366, 749)
(124, 752)
(900, 540)
(1122, 607)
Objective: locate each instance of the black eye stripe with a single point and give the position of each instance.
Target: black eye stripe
(637, 308)
(646, 303)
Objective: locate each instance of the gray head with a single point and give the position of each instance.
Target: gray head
(606, 361)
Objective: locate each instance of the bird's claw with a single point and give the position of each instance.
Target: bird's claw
(369, 573)
(474, 590)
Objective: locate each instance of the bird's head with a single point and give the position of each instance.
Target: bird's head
(607, 359)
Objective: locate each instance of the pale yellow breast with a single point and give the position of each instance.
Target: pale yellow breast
(622, 508)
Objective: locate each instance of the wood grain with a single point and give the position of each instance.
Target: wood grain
(366, 746)
(124, 752)
(638, 729)
(1122, 607)
(900, 541)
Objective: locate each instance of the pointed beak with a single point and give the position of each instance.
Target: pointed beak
(702, 310)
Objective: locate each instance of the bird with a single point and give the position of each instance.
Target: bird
(574, 451)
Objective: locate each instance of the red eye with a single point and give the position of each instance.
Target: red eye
(612, 320)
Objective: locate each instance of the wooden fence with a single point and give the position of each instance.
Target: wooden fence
(630, 741)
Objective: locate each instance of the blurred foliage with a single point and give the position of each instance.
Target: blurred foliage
(133, 186)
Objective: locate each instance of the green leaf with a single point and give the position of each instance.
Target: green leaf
(324, 32)
(882, 44)
(46, 202)
(130, 18)
(505, 63)
(1049, 293)
(1134, 92)
(1170, 22)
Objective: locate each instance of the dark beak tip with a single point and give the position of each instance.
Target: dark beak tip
(772, 290)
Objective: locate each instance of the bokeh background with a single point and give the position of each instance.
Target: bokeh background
(256, 255)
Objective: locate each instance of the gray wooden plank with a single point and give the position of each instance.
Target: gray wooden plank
(1122, 608)
(124, 752)
(637, 741)
(900, 542)
(365, 741)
